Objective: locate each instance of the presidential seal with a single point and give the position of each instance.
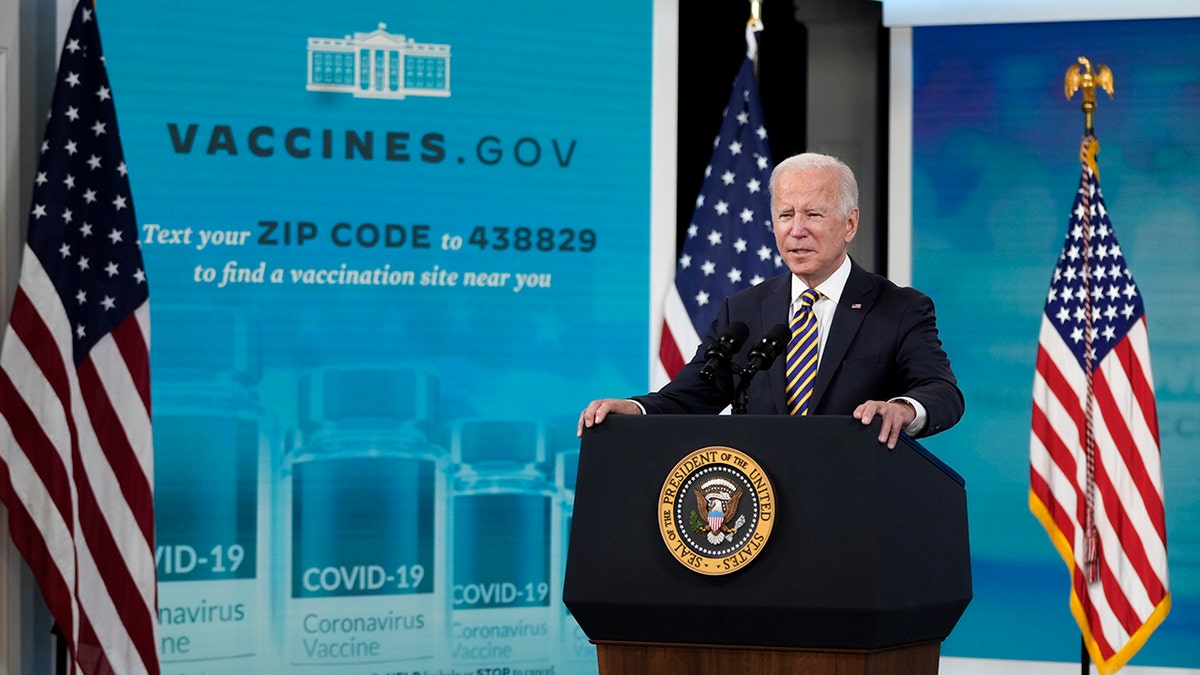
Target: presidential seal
(716, 510)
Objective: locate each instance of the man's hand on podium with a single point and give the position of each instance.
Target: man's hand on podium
(597, 410)
(895, 415)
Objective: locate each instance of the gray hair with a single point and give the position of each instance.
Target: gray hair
(846, 183)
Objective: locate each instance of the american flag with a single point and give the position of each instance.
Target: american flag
(730, 243)
(76, 460)
(1095, 471)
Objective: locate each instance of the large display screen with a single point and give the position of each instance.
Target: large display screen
(393, 249)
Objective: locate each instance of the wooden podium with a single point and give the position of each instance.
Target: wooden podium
(866, 570)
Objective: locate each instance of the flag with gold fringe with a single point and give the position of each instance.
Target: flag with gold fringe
(1095, 471)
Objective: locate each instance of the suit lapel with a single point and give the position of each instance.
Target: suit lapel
(856, 301)
(775, 308)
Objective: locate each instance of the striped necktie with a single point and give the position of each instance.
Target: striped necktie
(802, 355)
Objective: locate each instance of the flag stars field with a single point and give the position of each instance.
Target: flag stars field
(750, 258)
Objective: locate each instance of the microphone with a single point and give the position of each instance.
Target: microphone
(723, 349)
(772, 345)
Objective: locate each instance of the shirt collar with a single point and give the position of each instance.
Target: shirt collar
(830, 288)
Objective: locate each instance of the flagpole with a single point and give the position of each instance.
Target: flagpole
(1083, 77)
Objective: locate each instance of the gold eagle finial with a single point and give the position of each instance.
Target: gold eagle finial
(1083, 77)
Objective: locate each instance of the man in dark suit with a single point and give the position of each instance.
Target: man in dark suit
(878, 346)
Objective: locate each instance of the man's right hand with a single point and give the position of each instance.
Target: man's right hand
(600, 408)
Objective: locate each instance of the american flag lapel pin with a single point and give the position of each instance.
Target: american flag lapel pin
(857, 305)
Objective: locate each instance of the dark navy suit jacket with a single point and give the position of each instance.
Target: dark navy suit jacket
(883, 343)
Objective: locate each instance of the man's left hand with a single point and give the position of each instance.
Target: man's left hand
(895, 417)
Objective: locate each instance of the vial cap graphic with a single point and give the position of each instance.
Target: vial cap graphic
(484, 441)
(206, 342)
(353, 394)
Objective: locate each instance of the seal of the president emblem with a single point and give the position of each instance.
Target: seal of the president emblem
(716, 510)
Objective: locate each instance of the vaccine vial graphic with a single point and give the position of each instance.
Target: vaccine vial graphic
(503, 616)
(212, 452)
(366, 498)
(578, 654)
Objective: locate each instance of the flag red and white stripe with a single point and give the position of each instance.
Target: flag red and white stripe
(730, 243)
(76, 455)
(1095, 472)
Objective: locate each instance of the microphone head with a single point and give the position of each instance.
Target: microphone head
(777, 337)
(772, 345)
(723, 349)
(736, 334)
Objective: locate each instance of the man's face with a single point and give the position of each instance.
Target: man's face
(811, 232)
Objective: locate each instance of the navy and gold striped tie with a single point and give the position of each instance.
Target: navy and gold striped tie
(802, 354)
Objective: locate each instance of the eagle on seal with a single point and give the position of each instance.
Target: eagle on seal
(720, 506)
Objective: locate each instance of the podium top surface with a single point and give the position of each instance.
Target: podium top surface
(779, 426)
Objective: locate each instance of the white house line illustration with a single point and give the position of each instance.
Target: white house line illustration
(378, 65)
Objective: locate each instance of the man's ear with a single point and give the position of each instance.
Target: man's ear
(851, 224)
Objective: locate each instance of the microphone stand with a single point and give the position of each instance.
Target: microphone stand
(741, 390)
